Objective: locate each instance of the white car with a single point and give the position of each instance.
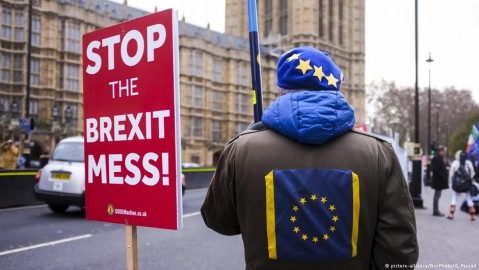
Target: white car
(61, 182)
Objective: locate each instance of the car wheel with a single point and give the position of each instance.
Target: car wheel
(58, 208)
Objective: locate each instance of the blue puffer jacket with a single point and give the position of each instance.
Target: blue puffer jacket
(311, 117)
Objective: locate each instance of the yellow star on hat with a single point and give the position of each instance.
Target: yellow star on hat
(318, 72)
(332, 80)
(294, 56)
(304, 66)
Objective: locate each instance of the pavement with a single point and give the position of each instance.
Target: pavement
(444, 243)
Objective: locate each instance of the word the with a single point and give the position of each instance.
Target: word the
(127, 89)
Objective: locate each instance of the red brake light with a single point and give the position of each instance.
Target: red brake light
(37, 176)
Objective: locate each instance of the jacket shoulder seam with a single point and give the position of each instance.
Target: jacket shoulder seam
(374, 136)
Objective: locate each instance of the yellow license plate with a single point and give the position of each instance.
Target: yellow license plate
(61, 176)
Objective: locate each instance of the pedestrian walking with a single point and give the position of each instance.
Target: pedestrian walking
(461, 163)
(439, 178)
(304, 189)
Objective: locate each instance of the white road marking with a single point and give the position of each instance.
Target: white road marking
(191, 214)
(62, 240)
(22, 208)
(68, 240)
(46, 244)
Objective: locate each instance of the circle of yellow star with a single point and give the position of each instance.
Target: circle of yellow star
(295, 208)
(315, 239)
(332, 80)
(304, 237)
(332, 228)
(296, 229)
(325, 237)
(304, 66)
(335, 218)
(302, 201)
(318, 72)
(313, 197)
(324, 200)
(332, 207)
(293, 219)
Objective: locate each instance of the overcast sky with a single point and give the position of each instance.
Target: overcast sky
(449, 29)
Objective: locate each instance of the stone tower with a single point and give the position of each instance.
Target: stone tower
(334, 26)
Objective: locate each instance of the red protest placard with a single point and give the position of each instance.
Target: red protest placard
(131, 122)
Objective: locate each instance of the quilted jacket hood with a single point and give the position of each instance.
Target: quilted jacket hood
(311, 117)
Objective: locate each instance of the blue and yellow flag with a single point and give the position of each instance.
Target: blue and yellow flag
(312, 215)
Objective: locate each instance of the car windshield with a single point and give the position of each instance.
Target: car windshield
(69, 151)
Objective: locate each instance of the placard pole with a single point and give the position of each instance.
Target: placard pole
(131, 248)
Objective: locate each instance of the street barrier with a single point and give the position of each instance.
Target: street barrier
(16, 186)
(198, 177)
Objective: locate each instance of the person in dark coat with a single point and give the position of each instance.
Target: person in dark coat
(439, 178)
(289, 182)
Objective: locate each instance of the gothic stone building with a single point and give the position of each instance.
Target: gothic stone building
(215, 76)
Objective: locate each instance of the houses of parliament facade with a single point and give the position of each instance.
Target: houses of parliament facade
(215, 75)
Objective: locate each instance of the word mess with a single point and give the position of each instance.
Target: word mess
(110, 167)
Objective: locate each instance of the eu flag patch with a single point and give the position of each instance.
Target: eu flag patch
(312, 215)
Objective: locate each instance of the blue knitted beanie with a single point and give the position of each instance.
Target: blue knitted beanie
(306, 68)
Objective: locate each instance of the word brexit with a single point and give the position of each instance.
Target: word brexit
(113, 129)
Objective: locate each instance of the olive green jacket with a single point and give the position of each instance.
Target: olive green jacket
(236, 200)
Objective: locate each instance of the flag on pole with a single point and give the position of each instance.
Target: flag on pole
(472, 147)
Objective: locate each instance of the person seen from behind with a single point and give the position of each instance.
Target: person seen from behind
(439, 178)
(304, 190)
(461, 160)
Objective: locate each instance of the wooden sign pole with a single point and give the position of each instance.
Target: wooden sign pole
(131, 248)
